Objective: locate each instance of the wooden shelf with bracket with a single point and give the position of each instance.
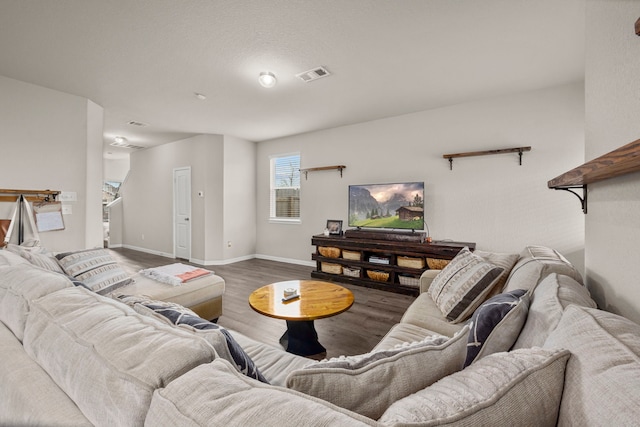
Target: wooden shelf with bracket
(519, 150)
(323, 168)
(621, 161)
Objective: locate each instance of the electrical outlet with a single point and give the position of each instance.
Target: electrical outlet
(229, 244)
(143, 237)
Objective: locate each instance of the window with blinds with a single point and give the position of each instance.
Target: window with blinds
(285, 188)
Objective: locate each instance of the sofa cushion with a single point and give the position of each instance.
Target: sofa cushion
(522, 387)
(424, 313)
(105, 356)
(20, 284)
(9, 258)
(463, 284)
(37, 256)
(215, 394)
(96, 268)
(603, 375)
(401, 333)
(536, 263)
(496, 324)
(224, 344)
(548, 301)
(369, 383)
(28, 395)
(274, 363)
(504, 260)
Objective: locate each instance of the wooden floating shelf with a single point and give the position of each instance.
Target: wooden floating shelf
(518, 150)
(10, 195)
(323, 168)
(621, 161)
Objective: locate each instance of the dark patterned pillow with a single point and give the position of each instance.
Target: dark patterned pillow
(179, 315)
(95, 268)
(496, 324)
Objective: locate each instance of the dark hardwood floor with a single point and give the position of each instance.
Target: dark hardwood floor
(355, 331)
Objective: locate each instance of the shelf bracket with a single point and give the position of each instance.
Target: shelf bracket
(583, 199)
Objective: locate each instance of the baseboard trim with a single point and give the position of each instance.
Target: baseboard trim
(287, 260)
(223, 261)
(148, 251)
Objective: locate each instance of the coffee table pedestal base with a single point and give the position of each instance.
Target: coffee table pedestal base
(301, 338)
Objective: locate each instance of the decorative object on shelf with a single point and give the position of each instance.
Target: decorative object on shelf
(328, 267)
(378, 276)
(351, 271)
(437, 264)
(352, 255)
(411, 262)
(519, 150)
(620, 161)
(329, 252)
(323, 168)
(379, 260)
(409, 281)
(334, 226)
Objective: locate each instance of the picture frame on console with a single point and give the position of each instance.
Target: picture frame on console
(334, 226)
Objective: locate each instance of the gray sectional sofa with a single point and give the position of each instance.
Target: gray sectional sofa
(549, 356)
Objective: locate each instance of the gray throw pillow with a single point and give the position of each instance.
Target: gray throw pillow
(496, 324)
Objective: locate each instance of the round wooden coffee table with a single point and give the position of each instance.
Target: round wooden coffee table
(317, 300)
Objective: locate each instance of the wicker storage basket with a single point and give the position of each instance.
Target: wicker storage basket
(328, 267)
(405, 261)
(437, 264)
(329, 252)
(352, 255)
(409, 281)
(380, 276)
(351, 271)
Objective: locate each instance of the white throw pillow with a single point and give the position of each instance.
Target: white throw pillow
(519, 388)
(369, 383)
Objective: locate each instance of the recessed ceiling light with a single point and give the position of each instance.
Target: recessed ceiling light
(200, 96)
(267, 79)
(120, 139)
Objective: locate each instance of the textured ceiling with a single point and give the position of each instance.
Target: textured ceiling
(143, 60)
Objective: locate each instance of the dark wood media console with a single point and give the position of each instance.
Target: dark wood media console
(382, 264)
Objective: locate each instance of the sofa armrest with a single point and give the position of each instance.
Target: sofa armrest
(426, 279)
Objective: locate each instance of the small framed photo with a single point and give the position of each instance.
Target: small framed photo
(334, 226)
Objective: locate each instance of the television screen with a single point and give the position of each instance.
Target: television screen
(399, 205)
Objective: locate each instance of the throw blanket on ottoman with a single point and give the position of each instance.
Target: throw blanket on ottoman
(175, 274)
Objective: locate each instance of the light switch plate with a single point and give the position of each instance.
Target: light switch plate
(68, 196)
(67, 210)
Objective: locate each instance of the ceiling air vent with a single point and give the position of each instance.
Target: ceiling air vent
(126, 145)
(134, 123)
(315, 74)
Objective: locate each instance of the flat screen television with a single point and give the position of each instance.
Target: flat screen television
(397, 205)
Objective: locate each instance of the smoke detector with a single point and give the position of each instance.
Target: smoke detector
(313, 74)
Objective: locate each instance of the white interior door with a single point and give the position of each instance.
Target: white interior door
(182, 212)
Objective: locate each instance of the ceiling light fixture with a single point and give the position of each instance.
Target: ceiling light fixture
(200, 96)
(120, 140)
(267, 79)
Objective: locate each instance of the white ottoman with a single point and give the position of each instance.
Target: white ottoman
(202, 295)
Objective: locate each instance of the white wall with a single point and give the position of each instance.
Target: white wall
(239, 239)
(48, 142)
(488, 200)
(116, 169)
(612, 120)
(222, 169)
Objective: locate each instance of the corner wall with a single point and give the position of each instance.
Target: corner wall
(222, 170)
(612, 120)
(49, 141)
(489, 200)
